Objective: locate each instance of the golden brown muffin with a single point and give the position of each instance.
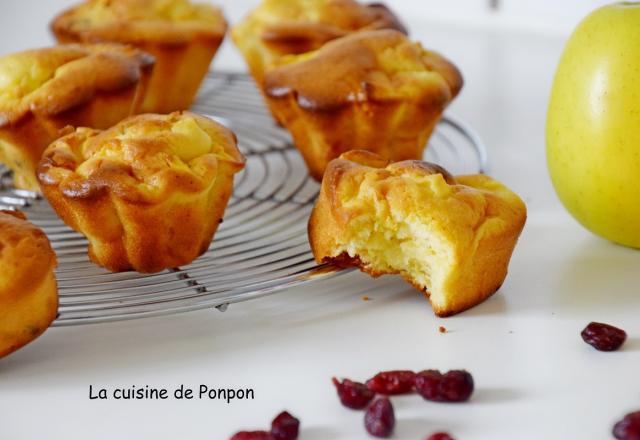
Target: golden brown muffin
(28, 292)
(44, 90)
(283, 27)
(147, 193)
(373, 90)
(451, 238)
(183, 37)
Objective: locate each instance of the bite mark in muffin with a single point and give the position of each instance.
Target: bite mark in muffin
(450, 237)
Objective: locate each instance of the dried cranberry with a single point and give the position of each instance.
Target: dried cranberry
(628, 428)
(392, 382)
(354, 395)
(379, 419)
(427, 384)
(603, 337)
(285, 427)
(252, 435)
(440, 436)
(454, 386)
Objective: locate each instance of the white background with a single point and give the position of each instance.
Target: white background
(535, 378)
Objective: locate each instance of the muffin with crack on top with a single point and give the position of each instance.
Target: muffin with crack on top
(148, 193)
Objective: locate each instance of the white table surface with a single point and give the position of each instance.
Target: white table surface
(535, 378)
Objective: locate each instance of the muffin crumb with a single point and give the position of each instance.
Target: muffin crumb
(442, 329)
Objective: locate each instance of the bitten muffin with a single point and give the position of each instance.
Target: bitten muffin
(451, 237)
(28, 291)
(283, 27)
(372, 90)
(44, 90)
(183, 37)
(147, 193)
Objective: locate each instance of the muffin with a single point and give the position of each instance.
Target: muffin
(283, 27)
(28, 292)
(450, 237)
(372, 90)
(183, 37)
(44, 90)
(147, 193)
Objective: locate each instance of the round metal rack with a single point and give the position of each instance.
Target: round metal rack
(260, 248)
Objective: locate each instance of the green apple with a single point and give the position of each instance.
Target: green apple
(593, 124)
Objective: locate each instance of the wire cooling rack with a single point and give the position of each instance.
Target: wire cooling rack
(260, 248)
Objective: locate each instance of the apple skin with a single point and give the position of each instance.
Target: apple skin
(593, 124)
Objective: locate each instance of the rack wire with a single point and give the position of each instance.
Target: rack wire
(260, 248)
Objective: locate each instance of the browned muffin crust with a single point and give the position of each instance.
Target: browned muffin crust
(28, 294)
(183, 36)
(72, 75)
(148, 193)
(145, 163)
(371, 90)
(276, 28)
(450, 237)
(43, 91)
(350, 71)
(336, 18)
(136, 21)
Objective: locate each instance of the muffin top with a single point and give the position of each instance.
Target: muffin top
(143, 159)
(134, 21)
(297, 26)
(55, 79)
(363, 67)
(25, 256)
(363, 183)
